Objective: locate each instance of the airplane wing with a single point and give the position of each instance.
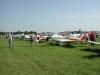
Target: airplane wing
(94, 42)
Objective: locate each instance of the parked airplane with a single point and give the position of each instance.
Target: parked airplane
(57, 37)
(73, 37)
(27, 37)
(42, 37)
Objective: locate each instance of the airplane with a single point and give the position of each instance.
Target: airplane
(42, 37)
(27, 37)
(59, 39)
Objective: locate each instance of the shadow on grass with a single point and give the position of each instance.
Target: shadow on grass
(97, 51)
(65, 45)
(69, 46)
(46, 45)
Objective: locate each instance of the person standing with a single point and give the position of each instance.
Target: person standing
(47, 39)
(37, 38)
(10, 40)
(34, 39)
(95, 37)
(86, 36)
(92, 38)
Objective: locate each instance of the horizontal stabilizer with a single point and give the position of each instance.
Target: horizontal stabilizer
(94, 42)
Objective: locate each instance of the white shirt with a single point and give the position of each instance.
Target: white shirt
(10, 37)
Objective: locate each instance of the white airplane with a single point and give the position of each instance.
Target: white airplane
(62, 39)
(42, 37)
(57, 37)
(27, 37)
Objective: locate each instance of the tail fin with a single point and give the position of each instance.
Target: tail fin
(83, 38)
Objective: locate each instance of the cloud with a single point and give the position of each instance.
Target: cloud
(94, 16)
(80, 15)
(62, 14)
(71, 16)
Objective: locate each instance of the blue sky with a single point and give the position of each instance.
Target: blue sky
(49, 15)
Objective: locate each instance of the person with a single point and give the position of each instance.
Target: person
(86, 36)
(47, 39)
(95, 37)
(92, 38)
(31, 39)
(37, 38)
(34, 39)
(10, 40)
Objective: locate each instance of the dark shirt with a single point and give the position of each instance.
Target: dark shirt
(92, 36)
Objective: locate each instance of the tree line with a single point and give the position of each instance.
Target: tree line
(18, 32)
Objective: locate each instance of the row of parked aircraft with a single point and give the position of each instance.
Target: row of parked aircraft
(78, 37)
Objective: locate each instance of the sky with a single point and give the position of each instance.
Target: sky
(49, 15)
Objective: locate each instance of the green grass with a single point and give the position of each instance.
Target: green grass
(44, 59)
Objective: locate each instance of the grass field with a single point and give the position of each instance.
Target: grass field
(44, 59)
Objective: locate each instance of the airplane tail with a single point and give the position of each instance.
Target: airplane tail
(83, 38)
